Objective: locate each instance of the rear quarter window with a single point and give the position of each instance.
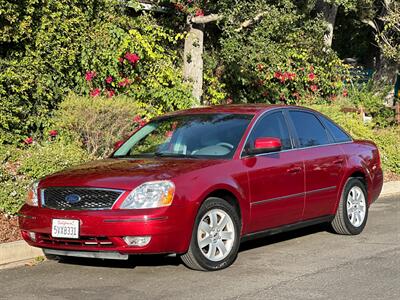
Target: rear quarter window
(338, 134)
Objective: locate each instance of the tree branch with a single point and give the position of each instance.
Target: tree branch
(250, 22)
(206, 19)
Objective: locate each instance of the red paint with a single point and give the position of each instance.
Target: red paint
(271, 190)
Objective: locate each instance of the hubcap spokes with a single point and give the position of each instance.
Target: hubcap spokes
(356, 206)
(216, 235)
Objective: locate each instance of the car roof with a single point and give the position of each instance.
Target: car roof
(230, 108)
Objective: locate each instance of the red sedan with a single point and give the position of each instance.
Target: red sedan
(198, 182)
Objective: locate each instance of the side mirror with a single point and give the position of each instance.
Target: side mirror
(265, 145)
(118, 144)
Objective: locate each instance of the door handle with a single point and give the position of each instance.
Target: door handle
(294, 170)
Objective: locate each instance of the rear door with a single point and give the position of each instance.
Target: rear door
(324, 163)
(276, 180)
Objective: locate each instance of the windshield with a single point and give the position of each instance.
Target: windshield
(194, 136)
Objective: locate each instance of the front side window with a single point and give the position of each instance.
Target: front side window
(194, 136)
(272, 125)
(309, 129)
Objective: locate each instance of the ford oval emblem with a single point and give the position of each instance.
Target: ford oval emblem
(72, 198)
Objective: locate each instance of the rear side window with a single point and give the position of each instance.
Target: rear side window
(338, 134)
(272, 125)
(309, 129)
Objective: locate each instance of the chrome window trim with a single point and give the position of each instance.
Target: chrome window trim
(42, 202)
(294, 147)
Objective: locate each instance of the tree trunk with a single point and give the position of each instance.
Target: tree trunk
(193, 59)
(329, 12)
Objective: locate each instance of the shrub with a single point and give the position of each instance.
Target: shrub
(21, 166)
(97, 123)
(387, 139)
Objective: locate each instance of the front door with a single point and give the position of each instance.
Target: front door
(276, 180)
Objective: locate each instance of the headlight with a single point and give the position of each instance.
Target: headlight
(150, 195)
(32, 197)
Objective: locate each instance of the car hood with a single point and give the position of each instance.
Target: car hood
(124, 174)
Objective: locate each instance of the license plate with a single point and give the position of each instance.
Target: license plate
(62, 228)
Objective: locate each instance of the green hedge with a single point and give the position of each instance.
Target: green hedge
(387, 139)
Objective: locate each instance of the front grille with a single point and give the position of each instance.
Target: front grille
(83, 198)
(83, 241)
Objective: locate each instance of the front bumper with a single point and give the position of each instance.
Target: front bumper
(103, 230)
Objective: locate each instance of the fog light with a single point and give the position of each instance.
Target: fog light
(137, 241)
(32, 236)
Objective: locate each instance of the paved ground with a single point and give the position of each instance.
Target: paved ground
(305, 264)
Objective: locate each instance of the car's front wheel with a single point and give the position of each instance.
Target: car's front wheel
(215, 238)
(352, 212)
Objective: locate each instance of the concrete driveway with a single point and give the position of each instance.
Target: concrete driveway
(304, 264)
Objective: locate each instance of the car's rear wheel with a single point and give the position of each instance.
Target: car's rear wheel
(352, 212)
(215, 237)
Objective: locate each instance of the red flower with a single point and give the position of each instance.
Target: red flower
(199, 13)
(90, 75)
(260, 67)
(278, 75)
(142, 122)
(311, 76)
(314, 87)
(28, 140)
(53, 133)
(121, 59)
(133, 58)
(137, 119)
(291, 76)
(109, 79)
(179, 6)
(96, 92)
(124, 82)
(345, 93)
(110, 93)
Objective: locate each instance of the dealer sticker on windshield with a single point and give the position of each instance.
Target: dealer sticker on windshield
(63, 228)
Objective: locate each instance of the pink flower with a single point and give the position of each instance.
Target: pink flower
(199, 13)
(109, 79)
(90, 75)
(229, 100)
(94, 93)
(311, 76)
(345, 93)
(53, 133)
(168, 134)
(110, 93)
(28, 140)
(124, 82)
(137, 119)
(133, 58)
(314, 87)
(121, 59)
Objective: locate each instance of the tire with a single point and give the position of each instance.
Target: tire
(216, 230)
(355, 198)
